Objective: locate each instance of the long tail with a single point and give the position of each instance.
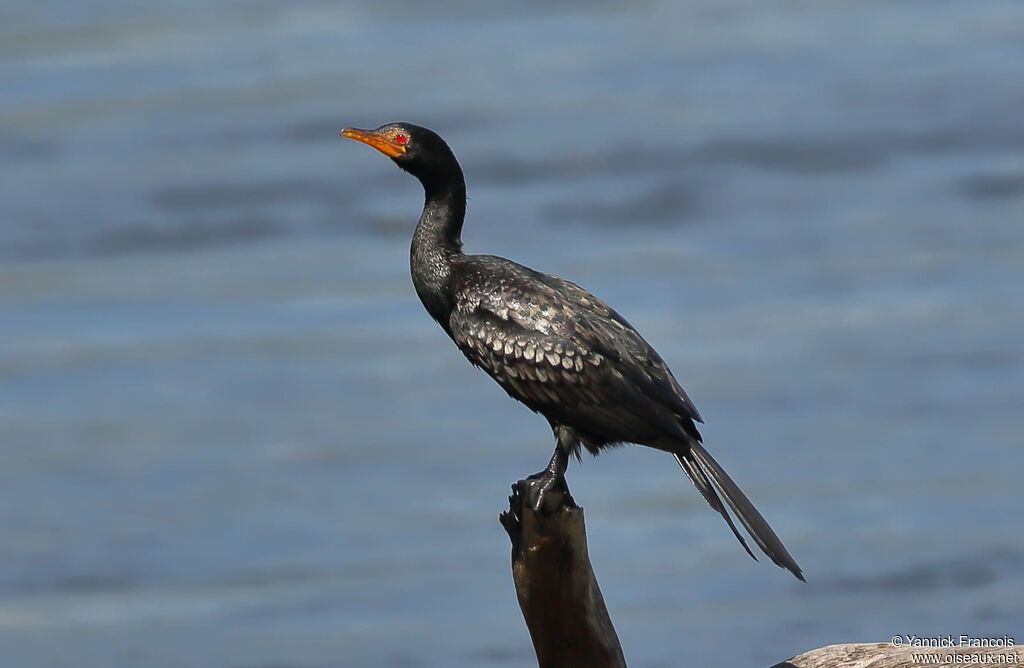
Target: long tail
(708, 476)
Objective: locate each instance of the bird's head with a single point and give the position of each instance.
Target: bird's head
(417, 150)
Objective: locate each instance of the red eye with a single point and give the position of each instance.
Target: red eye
(401, 138)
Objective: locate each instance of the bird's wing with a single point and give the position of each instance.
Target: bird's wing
(549, 342)
(607, 331)
(536, 360)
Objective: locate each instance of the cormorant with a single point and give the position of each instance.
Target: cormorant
(552, 345)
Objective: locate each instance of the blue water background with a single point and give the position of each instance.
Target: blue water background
(230, 436)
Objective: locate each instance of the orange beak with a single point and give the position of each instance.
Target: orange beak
(379, 142)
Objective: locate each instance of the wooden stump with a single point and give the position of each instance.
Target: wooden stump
(555, 584)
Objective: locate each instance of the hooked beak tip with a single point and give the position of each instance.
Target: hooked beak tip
(377, 141)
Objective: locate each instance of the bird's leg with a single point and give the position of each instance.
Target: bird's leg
(552, 475)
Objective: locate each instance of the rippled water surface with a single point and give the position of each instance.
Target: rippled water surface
(230, 437)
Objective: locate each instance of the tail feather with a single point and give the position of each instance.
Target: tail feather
(704, 486)
(707, 476)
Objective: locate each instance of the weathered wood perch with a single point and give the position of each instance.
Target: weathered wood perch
(556, 585)
(569, 623)
(884, 655)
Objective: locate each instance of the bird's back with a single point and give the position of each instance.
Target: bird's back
(565, 353)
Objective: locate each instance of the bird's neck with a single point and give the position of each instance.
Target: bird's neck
(437, 241)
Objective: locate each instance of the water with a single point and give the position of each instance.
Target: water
(232, 438)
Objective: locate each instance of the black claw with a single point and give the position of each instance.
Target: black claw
(541, 484)
(552, 476)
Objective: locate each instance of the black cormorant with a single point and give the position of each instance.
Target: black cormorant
(552, 345)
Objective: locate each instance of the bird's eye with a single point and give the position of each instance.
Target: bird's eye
(401, 138)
